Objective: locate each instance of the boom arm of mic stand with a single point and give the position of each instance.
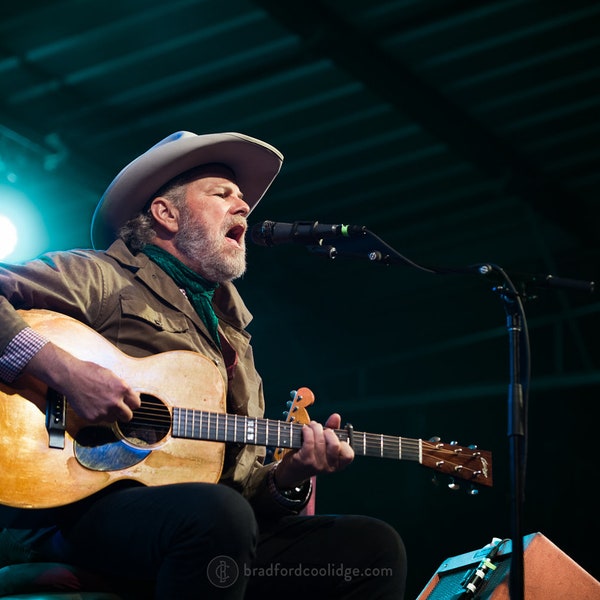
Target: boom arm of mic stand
(372, 248)
(367, 247)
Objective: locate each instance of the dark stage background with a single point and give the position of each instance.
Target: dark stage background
(457, 132)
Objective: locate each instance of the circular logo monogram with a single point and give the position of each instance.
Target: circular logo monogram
(222, 571)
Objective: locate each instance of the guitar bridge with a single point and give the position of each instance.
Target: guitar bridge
(56, 418)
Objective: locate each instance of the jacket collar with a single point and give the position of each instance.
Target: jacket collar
(228, 303)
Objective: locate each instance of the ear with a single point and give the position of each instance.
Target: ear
(165, 214)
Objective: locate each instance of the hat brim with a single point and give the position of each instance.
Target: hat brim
(254, 163)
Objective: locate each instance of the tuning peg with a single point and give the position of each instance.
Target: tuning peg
(435, 439)
(293, 393)
(289, 404)
(453, 485)
(473, 491)
(472, 447)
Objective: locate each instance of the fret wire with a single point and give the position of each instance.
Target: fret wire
(221, 427)
(257, 431)
(229, 433)
(175, 424)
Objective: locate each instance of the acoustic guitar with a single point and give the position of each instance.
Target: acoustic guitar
(50, 457)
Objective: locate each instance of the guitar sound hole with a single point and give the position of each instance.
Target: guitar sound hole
(151, 423)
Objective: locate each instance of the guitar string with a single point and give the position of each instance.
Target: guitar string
(372, 443)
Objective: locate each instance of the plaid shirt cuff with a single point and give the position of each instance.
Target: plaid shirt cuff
(20, 350)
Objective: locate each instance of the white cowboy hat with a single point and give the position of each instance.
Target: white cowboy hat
(254, 163)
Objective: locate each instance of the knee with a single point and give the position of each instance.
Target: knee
(232, 512)
(219, 516)
(380, 544)
(390, 542)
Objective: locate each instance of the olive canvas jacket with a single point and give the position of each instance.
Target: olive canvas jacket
(130, 301)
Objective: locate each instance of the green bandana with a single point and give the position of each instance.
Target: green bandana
(198, 290)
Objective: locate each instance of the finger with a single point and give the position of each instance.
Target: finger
(317, 433)
(322, 442)
(334, 421)
(132, 399)
(346, 453)
(308, 438)
(339, 454)
(125, 414)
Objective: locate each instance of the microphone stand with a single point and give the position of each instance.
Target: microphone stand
(517, 427)
(369, 246)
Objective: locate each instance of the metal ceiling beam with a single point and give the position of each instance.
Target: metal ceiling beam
(327, 34)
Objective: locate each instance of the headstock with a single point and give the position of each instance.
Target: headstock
(296, 413)
(466, 463)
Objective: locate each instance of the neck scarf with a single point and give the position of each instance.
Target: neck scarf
(199, 291)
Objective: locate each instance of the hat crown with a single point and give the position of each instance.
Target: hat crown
(173, 138)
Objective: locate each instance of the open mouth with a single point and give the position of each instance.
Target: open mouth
(236, 233)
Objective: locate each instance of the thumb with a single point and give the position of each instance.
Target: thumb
(334, 421)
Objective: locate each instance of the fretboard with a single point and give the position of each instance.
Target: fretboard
(217, 427)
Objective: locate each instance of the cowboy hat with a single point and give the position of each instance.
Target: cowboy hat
(254, 163)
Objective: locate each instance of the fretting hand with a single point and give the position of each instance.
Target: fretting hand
(321, 452)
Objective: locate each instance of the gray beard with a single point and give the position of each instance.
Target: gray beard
(204, 253)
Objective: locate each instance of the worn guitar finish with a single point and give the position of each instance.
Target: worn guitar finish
(177, 435)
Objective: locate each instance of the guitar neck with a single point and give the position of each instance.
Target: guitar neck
(217, 427)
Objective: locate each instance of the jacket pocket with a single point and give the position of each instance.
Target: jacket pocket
(162, 320)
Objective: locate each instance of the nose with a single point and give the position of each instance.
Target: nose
(240, 206)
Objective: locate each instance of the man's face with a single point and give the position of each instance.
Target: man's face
(212, 226)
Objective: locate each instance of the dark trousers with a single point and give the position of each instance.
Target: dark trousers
(198, 541)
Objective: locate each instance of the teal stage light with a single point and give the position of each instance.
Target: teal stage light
(8, 237)
(23, 234)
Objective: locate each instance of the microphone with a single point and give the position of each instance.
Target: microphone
(270, 233)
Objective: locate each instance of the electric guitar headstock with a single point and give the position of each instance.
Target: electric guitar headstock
(296, 413)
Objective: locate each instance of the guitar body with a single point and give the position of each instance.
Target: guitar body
(35, 475)
(50, 457)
